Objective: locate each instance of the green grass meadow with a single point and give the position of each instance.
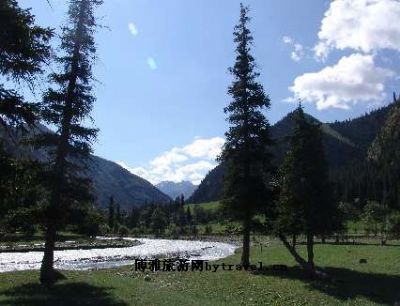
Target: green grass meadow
(375, 283)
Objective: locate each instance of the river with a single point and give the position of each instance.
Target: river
(115, 257)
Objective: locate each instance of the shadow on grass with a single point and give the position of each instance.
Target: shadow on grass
(347, 284)
(60, 294)
(354, 243)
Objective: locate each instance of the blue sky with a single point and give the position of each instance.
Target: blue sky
(163, 77)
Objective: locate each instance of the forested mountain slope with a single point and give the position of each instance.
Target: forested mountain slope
(344, 142)
(109, 179)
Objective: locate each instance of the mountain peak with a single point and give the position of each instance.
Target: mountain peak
(176, 189)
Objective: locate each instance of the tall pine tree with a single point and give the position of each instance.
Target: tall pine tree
(245, 153)
(24, 48)
(306, 204)
(66, 105)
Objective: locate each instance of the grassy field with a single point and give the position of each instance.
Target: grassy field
(376, 282)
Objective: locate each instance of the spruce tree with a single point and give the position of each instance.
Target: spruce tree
(24, 48)
(158, 221)
(306, 204)
(111, 213)
(189, 218)
(245, 154)
(66, 105)
(118, 214)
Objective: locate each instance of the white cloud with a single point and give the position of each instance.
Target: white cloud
(168, 158)
(287, 39)
(298, 53)
(132, 28)
(191, 162)
(207, 148)
(353, 79)
(298, 50)
(363, 25)
(151, 62)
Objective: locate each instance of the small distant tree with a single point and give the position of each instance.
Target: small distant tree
(118, 215)
(199, 214)
(91, 222)
(158, 221)
(245, 154)
(123, 231)
(145, 216)
(375, 218)
(348, 212)
(193, 230)
(133, 218)
(181, 216)
(173, 231)
(394, 224)
(208, 230)
(306, 205)
(189, 218)
(111, 213)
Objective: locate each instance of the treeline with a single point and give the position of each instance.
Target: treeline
(171, 220)
(371, 186)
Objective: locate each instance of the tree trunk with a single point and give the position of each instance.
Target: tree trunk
(310, 250)
(323, 239)
(47, 272)
(309, 269)
(245, 260)
(294, 241)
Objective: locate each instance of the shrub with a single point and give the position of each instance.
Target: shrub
(208, 230)
(123, 231)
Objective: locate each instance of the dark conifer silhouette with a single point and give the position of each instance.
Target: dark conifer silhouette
(245, 154)
(306, 204)
(24, 48)
(65, 106)
(111, 213)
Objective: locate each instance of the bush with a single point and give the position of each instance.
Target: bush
(208, 230)
(394, 224)
(193, 230)
(173, 231)
(374, 214)
(231, 229)
(135, 231)
(104, 229)
(123, 231)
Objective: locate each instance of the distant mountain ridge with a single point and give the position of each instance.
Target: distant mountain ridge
(128, 190)
(344, 142)
(174, 190)
(109, 178)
